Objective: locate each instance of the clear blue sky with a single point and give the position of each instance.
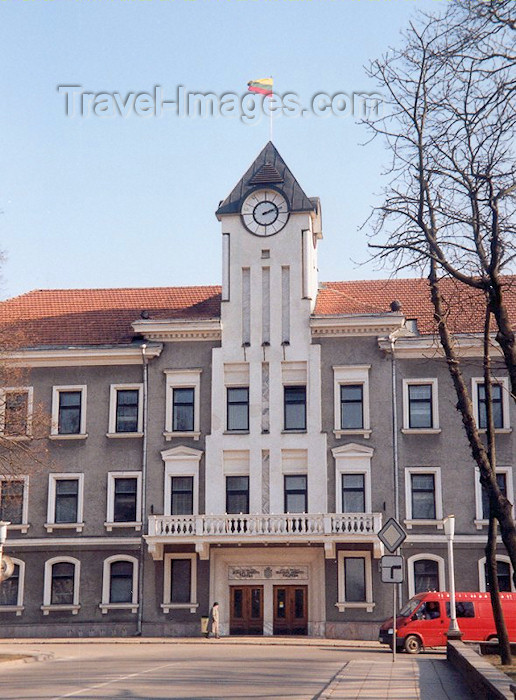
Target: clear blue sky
(130, 202)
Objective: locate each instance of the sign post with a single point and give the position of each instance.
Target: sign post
(392, 535)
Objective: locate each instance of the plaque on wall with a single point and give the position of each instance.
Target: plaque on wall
(253, 573)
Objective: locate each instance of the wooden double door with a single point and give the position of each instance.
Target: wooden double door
(290, 610)
(246, 614)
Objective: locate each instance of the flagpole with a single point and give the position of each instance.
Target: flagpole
(270, 112)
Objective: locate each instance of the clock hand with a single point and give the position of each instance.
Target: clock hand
(269, 211)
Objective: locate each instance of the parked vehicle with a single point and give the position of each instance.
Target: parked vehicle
(424, 620)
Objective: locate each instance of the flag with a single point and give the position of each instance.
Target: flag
(263, 86)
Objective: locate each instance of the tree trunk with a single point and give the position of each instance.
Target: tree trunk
(494, 591)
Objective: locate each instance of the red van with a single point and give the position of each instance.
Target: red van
(424, 620)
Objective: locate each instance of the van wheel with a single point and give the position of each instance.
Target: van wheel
(412, 644)
(493, 638)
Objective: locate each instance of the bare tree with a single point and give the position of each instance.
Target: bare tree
(449, 206)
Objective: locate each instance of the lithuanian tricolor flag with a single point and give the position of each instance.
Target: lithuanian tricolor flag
(263, 86)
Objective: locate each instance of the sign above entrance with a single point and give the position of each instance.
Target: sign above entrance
(392, 535)
(254, 573)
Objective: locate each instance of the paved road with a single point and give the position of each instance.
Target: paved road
(225, 670)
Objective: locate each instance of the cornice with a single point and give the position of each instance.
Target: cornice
(429, 346)
(179, 329)
(84, 357)
(356, 324)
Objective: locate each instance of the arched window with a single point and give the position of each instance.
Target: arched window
(120, 584)
(504, 571)
(425, 573)
(11, 590)
(61, 587)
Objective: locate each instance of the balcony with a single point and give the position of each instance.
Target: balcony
(204, 530)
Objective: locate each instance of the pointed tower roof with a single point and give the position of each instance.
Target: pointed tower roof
(268, 169)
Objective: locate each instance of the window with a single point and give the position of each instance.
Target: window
(68, 412)
(65, 501)
(353, 478)
(295, 407)
(124, 500)
(425, 572)
(296, 495)
(14, 501)
(181, 495)
(504, 573)
(182, 415)
(238, 408)
(500, 403)
(180, 582)
(11, 590)
(420, 405)
(353, 493)
(423, 496)
(237, 494)
(181, 485)
(120, 584)
(351, 406)
(16, 412)
(183, 410)
(61, 588)
(355, 582)
(505, 482)
(125, 410)
(351, 400)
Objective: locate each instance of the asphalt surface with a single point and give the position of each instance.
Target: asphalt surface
(224, 669)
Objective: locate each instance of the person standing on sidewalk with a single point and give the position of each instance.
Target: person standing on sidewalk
(213, 624)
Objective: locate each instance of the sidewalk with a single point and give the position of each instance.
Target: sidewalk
(406, 679)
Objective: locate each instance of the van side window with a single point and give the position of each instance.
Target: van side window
(462, 609)
(428, 611)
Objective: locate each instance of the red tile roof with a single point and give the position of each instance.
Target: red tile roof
(104, 316)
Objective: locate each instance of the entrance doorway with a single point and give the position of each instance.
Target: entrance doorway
(246, 610)
(290, 610)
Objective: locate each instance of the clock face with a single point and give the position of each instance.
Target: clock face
(265, 212)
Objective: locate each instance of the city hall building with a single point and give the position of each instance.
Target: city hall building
(241, 443)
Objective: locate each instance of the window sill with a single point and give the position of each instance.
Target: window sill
(236, 432)
(432, 523)
(364, 432)
(78, 527)
(18, 609)
(135, 525)
(75, 436)
(166, 607)
(124, 435)
(480, 524)
(169, 435)
(20, 527)
(421, 431)
(295, 431)
(342, 607)
(498, 431)
(16, 438)
(74, 609)
(106, 607)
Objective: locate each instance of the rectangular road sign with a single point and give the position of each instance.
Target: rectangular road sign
(391, 567)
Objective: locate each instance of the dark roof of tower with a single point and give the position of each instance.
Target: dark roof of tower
(269, 168)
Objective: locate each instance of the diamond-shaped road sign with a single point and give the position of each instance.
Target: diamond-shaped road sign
(392, 535)
(391, 567)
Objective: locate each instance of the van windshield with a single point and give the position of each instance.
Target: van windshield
(409, 608)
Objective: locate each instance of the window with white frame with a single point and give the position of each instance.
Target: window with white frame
(423, 496)
(120, 584)
(353, 478)
(504, 574)
(68, 412)
(355, 580)
(351, 400)
(16, 404)
(11, 590)
(124, 500)
(61, 585)
(181, 486)
(499, 401)
(180, 582)
(505, 482)
(14, 501)
(65, 502)
(425, 572)
(420, 405)
(125, 410)
(182, 413)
